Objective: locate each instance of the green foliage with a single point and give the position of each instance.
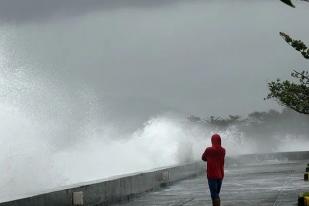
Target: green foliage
(296, 44)
(217, 122)
(193, 118)
(294, 95)
(271, 115)
(223, 122)
(290, 94)
(259, 125)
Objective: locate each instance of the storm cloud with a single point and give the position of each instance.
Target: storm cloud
(15, 11)
(200, 57)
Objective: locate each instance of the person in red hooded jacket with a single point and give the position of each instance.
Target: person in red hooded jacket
(214, 156)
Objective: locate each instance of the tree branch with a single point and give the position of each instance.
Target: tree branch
(289, 2)
(296, 44)
(303, 75)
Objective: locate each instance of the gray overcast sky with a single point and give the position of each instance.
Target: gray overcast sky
(39, 10)
(142, 57)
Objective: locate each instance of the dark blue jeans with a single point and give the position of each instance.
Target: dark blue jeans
(214, 187)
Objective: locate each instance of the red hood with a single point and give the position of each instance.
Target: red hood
(216, 140)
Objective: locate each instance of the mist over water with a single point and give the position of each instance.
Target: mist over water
(107, 93)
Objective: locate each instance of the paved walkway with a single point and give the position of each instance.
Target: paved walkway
(267, 184)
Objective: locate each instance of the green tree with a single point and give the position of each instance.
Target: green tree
(293, 94)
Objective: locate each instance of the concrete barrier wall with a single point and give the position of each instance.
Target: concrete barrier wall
(124, 188)
(281, 156)
(114, 190)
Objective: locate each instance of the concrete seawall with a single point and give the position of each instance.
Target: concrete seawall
(124, 188)
(114, 190)
(280, 156)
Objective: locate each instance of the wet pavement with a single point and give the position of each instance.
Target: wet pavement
(270, 183)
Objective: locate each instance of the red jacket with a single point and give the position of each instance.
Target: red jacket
(215, 158)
